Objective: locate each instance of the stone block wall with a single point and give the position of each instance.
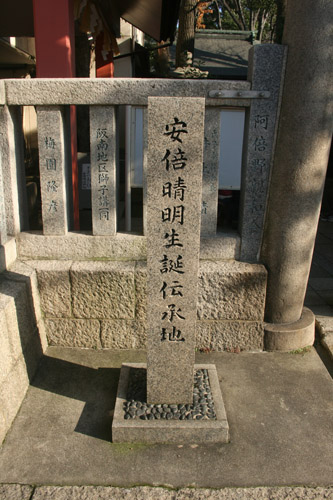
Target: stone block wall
(21, 336)
(102, 304)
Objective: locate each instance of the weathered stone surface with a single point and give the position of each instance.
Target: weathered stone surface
(266, 71)
(52, 167)
(123, 334)
(103, 290)
(236, 336)
(103, 169)
(231, 290)
(140, 291)
(158, 493)
(73, 332)
(15, 492)
(54, 287)
(174, 179)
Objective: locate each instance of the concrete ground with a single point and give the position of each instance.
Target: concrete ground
(279, 407)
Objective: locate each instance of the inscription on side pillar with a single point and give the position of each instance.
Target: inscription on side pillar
(103, 159)
(174, 185)
(52, 169)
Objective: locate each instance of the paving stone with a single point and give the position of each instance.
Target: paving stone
(158, 493)
(15, 492)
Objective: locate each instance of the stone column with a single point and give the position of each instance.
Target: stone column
(298, 174)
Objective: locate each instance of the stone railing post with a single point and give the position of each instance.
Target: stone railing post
(298, 174)
(103, 170)
(266, 71)
(210, 177)
(53, 160)
(13, 173)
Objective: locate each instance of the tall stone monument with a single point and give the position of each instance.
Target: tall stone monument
(178, 401)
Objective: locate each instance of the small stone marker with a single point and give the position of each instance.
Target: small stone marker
(168, 408)
(174, 185)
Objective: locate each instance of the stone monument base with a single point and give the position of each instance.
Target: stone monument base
(137, 430)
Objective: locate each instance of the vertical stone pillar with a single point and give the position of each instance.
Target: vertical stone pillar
(103, 169)
(298, 174)
(174, 180)
(144, 169)
(3, 223)
(13, 172)
(210, 180)
(266, 71)
(52, 165)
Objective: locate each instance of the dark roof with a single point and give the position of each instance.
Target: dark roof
(12, 57)
(224, 54)
(158, 18)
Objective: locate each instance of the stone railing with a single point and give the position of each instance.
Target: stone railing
(259, 96)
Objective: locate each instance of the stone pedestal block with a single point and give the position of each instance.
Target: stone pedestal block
(169, 431)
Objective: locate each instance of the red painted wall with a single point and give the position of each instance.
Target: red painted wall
(55, 58)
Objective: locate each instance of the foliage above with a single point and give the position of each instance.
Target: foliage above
(258, 16)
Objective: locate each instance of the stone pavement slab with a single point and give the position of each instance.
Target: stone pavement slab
(148, 493)
(279, 408)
